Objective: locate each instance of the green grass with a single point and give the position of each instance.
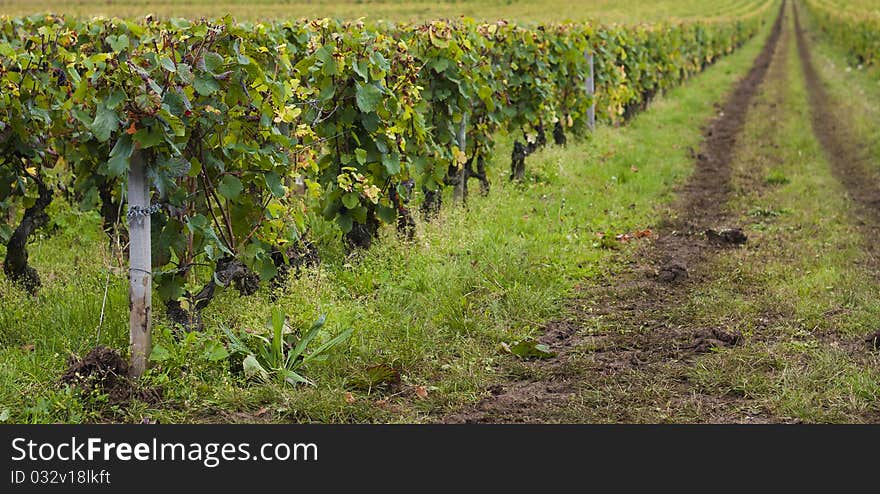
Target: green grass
(437, 309)
(399, 10)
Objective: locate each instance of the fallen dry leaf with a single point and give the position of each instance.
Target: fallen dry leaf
(350, 398)
(422, 392)
(28, 348)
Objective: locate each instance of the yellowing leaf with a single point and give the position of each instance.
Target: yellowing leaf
(460, 157)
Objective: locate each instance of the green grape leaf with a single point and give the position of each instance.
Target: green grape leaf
(368, 97)
(345, 223)
(206, 85)
(391, 163)
(105, 123)
(230, 187)
(168, 64)
(159, 353)
(273, 181)
(387, 214)
(120, 156)
(351, 200)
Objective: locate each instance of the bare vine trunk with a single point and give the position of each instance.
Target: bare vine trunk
(406, 225)
(432, 203)
(518, 162)
(361, 235)
(112, 223)
(559, 134)
(15, 265)
(228, 271)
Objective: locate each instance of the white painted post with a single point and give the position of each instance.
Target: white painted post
(460, 190)
(140, 266)
(591, 90)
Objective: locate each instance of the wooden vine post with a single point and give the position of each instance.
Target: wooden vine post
(140, 265)
(591, 90)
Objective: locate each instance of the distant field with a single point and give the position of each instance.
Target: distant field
(859, 8)
(626, 11)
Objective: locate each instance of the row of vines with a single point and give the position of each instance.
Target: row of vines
(856, 31)
(250, 130)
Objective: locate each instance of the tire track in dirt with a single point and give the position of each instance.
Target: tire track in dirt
(640, 298)
(848, 156)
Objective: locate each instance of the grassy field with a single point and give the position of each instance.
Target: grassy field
(397, 10)
(437, 310)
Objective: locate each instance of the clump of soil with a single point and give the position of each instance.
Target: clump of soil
(704, 342)
(672, 272)
(727, 236)
(873, 341)
(102, 368)
(104, 371)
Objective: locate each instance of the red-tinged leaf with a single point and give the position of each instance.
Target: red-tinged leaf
(131, 129)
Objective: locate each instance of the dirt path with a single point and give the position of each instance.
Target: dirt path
(627, 361)
(848, 156)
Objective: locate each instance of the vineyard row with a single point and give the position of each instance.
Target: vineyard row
(249, 130)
